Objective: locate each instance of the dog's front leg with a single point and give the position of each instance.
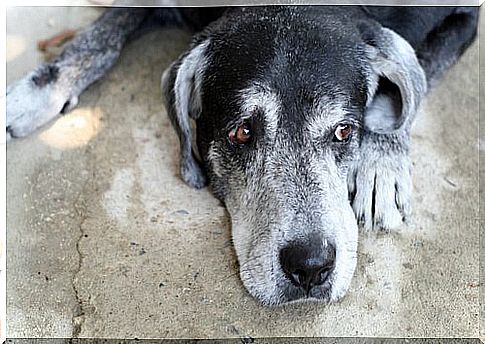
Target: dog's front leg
(380, 181)
(54, 87)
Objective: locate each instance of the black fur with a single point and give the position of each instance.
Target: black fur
(46, 75)
(439, 33)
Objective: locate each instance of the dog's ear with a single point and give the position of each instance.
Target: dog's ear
(181, 88)
(397, 83)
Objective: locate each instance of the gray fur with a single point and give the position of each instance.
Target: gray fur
(380, 181)
(42, 95)
(393, 57)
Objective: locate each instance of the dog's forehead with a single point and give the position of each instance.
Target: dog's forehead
(302, 68)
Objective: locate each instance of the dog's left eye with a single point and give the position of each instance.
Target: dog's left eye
(242, 135)
(343, 132)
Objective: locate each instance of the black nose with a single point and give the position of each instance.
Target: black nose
(307, 265)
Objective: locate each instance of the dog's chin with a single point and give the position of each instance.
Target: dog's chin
(274, 296)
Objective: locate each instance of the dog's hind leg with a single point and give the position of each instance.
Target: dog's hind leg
(445, 44)
(54, 87)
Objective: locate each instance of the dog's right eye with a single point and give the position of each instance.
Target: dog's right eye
(242, 135)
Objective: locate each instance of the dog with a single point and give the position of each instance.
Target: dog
(298, 117)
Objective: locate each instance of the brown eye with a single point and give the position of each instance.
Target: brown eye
(342, 133)
(241, 135)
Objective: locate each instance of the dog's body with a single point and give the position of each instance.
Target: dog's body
(297, 109)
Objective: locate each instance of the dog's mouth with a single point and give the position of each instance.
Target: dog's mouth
(319, 294)
(285, 290)
(316, 292)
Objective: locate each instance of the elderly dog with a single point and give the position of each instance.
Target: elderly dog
(303, 118)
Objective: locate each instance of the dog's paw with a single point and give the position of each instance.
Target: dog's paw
(35, 100)
(380, 188)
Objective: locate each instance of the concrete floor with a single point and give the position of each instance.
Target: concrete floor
(105, 240)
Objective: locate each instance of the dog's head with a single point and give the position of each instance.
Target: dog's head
(280, 97)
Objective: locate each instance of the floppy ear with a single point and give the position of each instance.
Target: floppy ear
(397, 81)
(181, 88)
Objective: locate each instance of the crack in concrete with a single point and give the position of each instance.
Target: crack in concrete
(80, 207)
(78, 316)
